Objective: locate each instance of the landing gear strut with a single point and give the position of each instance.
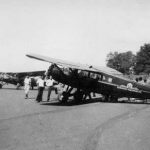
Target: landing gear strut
(66, 94)
(78, 96)
(65, 97)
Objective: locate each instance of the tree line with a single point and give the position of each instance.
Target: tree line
(128, 62)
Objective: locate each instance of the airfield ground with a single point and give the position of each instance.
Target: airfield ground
(27, 125)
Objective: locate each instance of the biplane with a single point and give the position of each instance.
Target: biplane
(17, 78)
(86, 79)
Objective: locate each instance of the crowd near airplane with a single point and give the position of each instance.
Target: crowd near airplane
(17, 78)
(86, 79)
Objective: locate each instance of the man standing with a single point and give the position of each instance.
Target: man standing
(49, 84)
(40, 83)
(27, 82)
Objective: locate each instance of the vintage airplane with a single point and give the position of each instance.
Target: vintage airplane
(17, 78)
(86, 79)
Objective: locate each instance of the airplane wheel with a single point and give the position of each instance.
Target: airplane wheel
(78, 96)
(114, 99)
(0, 86)
(65, 97)
(106, 98)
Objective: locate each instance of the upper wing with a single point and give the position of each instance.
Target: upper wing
(29, 73)
(104, 70)
(58, 61)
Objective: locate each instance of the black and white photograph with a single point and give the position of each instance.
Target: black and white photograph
(74, 75)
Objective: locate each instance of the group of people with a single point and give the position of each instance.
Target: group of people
(41, 83)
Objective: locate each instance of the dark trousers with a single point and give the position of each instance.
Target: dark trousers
(40, 94)
(50, 88)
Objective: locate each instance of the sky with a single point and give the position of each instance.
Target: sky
(83, 31)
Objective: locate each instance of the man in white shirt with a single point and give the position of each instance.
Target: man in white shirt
(40, 83)
(49, 84)
(27, 83)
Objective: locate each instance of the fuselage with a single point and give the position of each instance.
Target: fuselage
(98, 82)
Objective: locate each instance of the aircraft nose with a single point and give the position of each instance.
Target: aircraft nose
(48, 71)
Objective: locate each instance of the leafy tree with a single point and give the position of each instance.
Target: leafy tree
(121, 61)
(143, 60)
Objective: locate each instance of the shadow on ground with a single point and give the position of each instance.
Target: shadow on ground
(71, 102)
(88, 101)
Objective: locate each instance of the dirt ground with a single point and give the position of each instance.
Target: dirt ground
(27, 125)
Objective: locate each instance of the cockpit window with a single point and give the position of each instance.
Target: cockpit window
(83, 73)
(66, 71)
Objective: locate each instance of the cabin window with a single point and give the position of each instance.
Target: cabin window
(110, 80)
(93, 75)
(83, 73)
(104, 78)
(79, 71)
(99, 77)
(86, 73)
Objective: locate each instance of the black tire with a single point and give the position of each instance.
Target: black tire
(65, 97)
(114, 99)
(106, 98)
(78, 96)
